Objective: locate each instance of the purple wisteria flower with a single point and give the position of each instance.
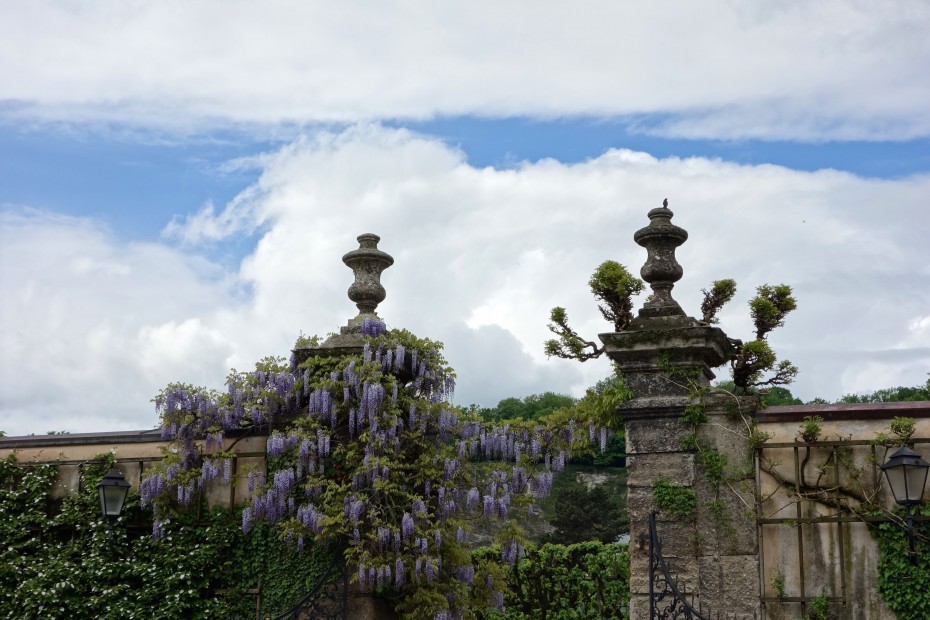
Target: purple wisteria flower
(510, 551)
(407, 526)
(246, 520)
(373, 326)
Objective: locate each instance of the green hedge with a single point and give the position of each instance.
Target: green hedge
(56, 561)
(575, 582)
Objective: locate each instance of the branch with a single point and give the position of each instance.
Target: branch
(569, 344)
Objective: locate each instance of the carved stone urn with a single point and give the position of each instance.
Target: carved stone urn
(367, 262)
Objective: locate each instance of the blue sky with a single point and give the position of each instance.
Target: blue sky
(178, 182)
(138, 182)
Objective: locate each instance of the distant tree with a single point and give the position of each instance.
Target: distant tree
(771, 397)
(783, 396)
(532, 407)
(891, 395)
(583, 514)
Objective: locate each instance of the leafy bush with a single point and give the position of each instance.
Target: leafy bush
(589, 580)
(59, 564)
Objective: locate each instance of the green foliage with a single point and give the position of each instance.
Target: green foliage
(675, 500)
(778, 584)
(714, 464)
(756, 358)
(610, 283)
(770, 306)
(60, 563)
(810, 429)
(899, 432)
(585, 581)
(757, 437)
(887, 395)
(533, 407)
(818, 608)
(768, 309)
(904, 584)
(569, 344)
(583, 514)
(615, 286)
(694, 414)
(777, 395)
(720, 293)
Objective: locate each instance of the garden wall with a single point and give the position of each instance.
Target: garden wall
(816, 512)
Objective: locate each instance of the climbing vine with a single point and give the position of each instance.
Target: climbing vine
(366, 453)
(676, 500)
(904, 580)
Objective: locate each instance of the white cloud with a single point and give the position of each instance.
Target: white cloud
(93, 327)
(837, 69)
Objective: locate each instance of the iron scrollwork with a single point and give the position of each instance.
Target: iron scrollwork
(326, 600)
(666, 600)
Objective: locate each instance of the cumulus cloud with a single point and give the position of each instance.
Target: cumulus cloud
(837, 69)
(93, 327)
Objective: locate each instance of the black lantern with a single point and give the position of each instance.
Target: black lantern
(112, 489)
(907, 475)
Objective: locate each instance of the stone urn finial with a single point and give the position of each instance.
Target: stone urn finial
(661, 270)
(367, 262)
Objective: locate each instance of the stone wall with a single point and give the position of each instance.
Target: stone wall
(837, 557)
(135, 451)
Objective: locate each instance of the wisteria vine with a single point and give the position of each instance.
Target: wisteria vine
(367, 451)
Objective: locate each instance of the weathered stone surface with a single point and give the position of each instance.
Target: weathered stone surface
(728, 524)
(639, 606)
(711, 583)
(740, 584)
(658, 435)
(644, 469)
(640, 502)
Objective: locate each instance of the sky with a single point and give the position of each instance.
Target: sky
(179, 181)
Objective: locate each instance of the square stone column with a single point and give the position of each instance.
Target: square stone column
(666, 359)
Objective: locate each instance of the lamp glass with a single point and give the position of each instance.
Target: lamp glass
(112, 490)
(906, 472)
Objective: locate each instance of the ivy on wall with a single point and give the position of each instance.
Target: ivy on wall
(62, 566)
(56, 562)
(905, 585)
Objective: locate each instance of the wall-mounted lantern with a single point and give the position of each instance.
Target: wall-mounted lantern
(112, 489)
(906, 472)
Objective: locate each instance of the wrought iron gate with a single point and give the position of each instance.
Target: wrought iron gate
(669, 600)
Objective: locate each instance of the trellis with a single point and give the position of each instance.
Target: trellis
(824, 484)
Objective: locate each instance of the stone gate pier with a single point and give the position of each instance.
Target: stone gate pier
(666, 358)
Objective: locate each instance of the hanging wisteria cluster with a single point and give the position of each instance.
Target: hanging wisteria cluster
(369, 453)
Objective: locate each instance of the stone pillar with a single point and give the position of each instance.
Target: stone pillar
(666, 358)
(366, 263)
